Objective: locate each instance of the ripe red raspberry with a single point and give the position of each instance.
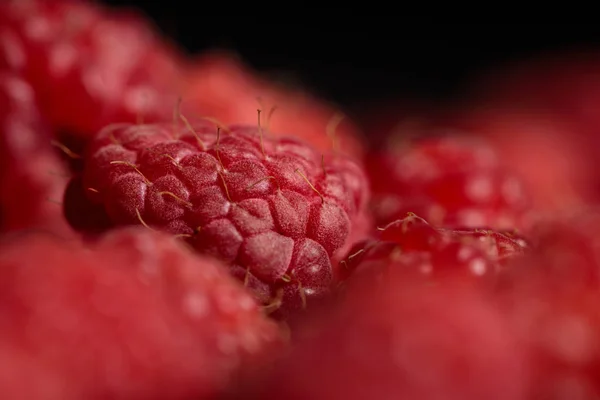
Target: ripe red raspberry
(220, 86)
(559, 329)
(566, 250)
(546, 151)
(91, 65)
(403, 341)
(451, 181)
(136, 316)
(32, 178)
(412, 248)
(551, 298)
(274, 208)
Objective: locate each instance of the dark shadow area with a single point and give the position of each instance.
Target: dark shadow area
(357, 60)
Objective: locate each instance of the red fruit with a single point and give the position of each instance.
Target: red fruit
(219, 86)
(411, 247)
(560, 331)
(32, 178)
(566, 250)
(91, 66)
(135, 317)
(551, 298)
(451, 181)
(403, 341)
(545, 151)
(271, 207)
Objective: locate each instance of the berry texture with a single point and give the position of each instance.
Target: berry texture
(103, 65)
(136, 316)
(404, 341)
(32, 178)
(222, 87)
(450, 181)
(545, 150)
(566, 250)
(275, 209)
(412, 248)
(559, 329)
(551, 299)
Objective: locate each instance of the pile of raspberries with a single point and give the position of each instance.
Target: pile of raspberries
(179, 227)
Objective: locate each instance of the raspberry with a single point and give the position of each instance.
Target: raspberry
(566, 250)
(544, 150)
(560, 331)
(91, 66)
(136, 316)
(273, 208)
(412, 247)
(32, 177)
(403, 341)
(450, 181)
(220, 86)
(551, 299)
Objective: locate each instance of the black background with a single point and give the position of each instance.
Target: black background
(358, 60)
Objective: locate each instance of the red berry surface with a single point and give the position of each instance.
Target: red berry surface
(105, 66)
(451, 181)
(411, 247)
(545, 150)
(566, 250)
(404, 341)
(32, 177)
(136, 316)
(220, 86)
(275, 209)
(551, 299)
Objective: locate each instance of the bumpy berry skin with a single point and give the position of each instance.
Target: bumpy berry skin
(274, 209)
(218, 85)
(32, 177)
(451, 181)
(136, 316)
(91, 66)
(549, 153)
(411, 247)
(403, 341)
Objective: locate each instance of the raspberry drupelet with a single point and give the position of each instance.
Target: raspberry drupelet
(411, 247)
(275, 209)
(452, 181)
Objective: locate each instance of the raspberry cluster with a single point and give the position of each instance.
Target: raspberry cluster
(177, 226)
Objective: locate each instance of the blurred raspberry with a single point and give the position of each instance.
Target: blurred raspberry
(136, 316)
(32, 178)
